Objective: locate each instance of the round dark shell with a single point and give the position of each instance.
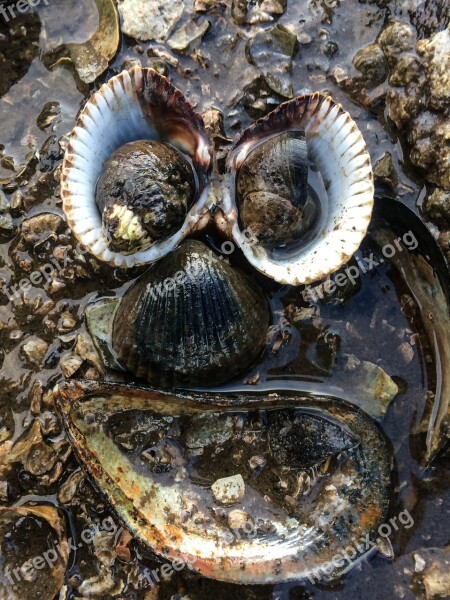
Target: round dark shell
(190, 320)
(151, 181)
(272, 190)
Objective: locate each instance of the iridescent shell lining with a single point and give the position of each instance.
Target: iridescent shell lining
(134, 105)
(172, 509)
(337, 148)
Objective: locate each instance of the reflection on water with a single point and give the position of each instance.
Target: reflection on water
(315, 346)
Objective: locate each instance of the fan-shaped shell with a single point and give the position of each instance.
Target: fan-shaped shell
(192, 319)
(134, 105)
(337, 149)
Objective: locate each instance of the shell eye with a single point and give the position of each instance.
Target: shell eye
(299, 191)
(135, 176)
(144, 194)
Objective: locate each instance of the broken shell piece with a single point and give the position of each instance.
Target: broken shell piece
(238, 519)
(436, 577)
(373, 387)
(257, 462)
(228, 490)
(91, 58)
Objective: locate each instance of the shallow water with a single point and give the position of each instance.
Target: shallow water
(307, 354)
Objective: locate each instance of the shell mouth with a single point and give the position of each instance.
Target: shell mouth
(135, 105)
(341, 176)
(188, 475)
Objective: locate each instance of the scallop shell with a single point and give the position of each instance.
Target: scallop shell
(190, 320)
(134, 105)
(170, 463)
(337, 148)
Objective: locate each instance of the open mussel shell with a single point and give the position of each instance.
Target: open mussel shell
(412, 250)
(190, 320)
(247, 488)
(135, 105)
(341, 178)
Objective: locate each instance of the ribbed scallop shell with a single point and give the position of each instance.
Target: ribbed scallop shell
(192, 319)
(337, 148)
(135, 105)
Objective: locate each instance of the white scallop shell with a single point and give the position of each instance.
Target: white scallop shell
(135, 105)
(337, 148)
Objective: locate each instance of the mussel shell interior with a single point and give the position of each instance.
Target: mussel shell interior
(156, 456)
(425, 273)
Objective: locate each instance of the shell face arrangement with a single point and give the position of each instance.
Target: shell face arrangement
(118, 210)
(203, 328)
(272, 191)
(250, 490)
(246, 488)
(144, 194)
(327, 227)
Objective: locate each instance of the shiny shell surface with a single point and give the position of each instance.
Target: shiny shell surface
(192, 319)
(424, 271)
(135, 105)
(250, 489)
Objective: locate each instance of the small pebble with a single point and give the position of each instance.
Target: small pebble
(419, 563)
(228, 490)
(35, 350)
